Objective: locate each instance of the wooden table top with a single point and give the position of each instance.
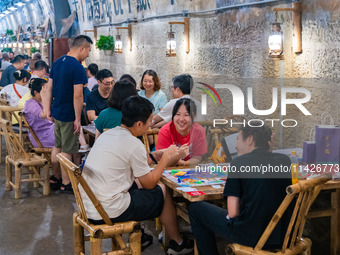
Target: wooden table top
(217, 194)
(210, 192)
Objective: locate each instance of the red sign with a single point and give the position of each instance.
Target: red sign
(196, 193)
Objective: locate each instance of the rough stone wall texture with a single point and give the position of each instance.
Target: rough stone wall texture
(231, 47)
(225, 47)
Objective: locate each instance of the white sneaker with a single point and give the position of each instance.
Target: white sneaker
(84, 148)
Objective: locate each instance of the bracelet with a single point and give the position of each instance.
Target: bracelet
(153, 158)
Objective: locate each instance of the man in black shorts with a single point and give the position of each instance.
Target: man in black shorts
(117, 170)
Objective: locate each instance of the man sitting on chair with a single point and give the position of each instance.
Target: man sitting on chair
(252, 197)
(118, 159)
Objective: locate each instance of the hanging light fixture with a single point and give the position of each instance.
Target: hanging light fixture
(171, 44)
(20, 45)
(275, 40)
(27, 45)
(118, 44)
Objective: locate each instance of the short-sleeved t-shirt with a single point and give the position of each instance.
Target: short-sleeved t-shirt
(95, 102)
(66, 72)
(115, 160)
(158, 99)
(7, 76)
(196, 139)
(166, 112)
(259, 198)
(108, 118)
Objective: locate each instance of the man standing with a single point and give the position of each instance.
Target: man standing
(7, 76)
(5, 61)
(96, 101)
(182, 86)
(252, 197)
(65, 86)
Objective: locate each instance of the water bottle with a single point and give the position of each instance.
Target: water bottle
(294, 168)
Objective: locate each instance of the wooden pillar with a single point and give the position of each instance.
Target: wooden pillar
(297, 36)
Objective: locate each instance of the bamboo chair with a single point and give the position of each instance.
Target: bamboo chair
(21, 160)
(8, 113)
(154, 133)
(41, 150)
(293, 243)
(98, 232)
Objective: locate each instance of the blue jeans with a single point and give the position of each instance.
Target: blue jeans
(207, 220)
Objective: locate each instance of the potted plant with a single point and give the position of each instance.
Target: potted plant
(106, 43)
(9, 31)
(34, 50)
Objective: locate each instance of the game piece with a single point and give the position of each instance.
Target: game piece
(180, 173)
(173, 171)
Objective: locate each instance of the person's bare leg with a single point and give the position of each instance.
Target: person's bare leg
(64, 175)
(82, 140)
(55, 164)
(169, 217)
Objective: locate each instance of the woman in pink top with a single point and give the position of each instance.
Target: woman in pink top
(183, 130)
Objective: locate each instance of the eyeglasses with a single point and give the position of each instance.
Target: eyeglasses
(109, 83)
(171, 87)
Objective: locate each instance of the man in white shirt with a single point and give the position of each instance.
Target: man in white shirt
(118, 162)
(182, 86)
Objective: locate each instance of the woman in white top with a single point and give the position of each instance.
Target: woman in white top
(14, 92)
(91, 73)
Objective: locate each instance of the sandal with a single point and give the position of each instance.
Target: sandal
(66, 189)
(55, 183)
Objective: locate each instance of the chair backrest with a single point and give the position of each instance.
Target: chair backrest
(75, 175)
(13, 145)
(307, 192)
(35, 137)
(153, 132)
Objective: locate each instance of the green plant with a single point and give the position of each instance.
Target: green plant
(47, 41)
(7, 50)
(9, 31)
(105, 42)
(14, 38)
(34, 50)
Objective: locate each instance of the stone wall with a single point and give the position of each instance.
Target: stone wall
(225, 47)
(231, 47)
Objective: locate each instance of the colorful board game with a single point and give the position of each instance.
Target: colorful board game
(191, 177)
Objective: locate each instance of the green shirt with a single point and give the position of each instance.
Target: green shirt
(108, 118)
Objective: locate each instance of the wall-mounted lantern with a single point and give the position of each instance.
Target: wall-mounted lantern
(275, 40)
(296, 17)
(119, 43)
(171, 43)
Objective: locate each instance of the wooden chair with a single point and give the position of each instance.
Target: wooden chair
(154, 133)
(41, 150)
(9, 113)
(98, 232)
(293, 243)
(21, 160)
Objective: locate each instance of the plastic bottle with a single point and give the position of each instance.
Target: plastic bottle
(294, 169)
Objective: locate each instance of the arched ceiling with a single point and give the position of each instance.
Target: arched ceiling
(33, 14)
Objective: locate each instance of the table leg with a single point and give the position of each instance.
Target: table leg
(335, 222)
